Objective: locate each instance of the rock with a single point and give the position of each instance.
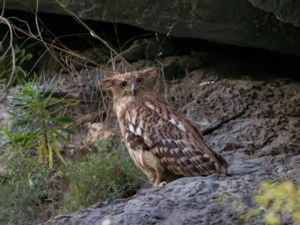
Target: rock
(258, 117)
(193, 200)
(177, 66)
(235, 22)
(97, 132)
(286, 11)
(5, 150)
(84, 85)
(4, 114)
(148, 49)
(258, 134)
(84, 89)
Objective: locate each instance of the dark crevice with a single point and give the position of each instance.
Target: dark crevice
(226, 59)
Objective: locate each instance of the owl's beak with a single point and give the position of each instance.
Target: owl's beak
(134, 89)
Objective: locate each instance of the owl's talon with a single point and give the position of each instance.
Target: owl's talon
(162, 184)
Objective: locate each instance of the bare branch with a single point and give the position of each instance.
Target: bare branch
(10, 49)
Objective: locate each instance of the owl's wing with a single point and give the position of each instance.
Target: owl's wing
(172, 138)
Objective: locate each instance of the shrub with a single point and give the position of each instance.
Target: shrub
(276, 203)
(28, 194)
(106, 175)
(31, 194)
(16, 75)
(36, 123)
(278, 200)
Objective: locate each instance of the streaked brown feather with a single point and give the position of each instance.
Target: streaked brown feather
(182, 152)
(161, 141)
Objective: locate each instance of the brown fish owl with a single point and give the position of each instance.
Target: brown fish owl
(162, 142)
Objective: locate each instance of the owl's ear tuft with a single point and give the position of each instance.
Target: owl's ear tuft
(150, 72)
(108, 83)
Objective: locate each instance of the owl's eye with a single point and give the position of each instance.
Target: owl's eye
(139, 80)
(123, 84)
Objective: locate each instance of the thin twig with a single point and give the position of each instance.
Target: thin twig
(10, 48)
(94, 34)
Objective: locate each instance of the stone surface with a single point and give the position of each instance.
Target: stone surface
(236, 22)
(3, 119)
(97, 132)
(253, 123)
(256, 126)
(4, 114)
(194, 200)
(285, 10)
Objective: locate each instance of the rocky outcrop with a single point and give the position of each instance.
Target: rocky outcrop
(286, 11)
(256, 126)
(194, 200)
(210, 200)
(236, 22)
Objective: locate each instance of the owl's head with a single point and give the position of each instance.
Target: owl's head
(131, 83)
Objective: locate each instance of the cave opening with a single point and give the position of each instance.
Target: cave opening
(227, 59)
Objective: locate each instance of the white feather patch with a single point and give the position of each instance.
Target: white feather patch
(138, 131)
(206, 156)
(181, 127)
(131, 128)
(173, 121)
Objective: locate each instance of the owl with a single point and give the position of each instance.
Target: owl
(163, 143)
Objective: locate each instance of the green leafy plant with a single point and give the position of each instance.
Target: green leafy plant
(14, 75)
(279, 199)
(274, 202)
(28, 194)
(106, 175)
(37, 123)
